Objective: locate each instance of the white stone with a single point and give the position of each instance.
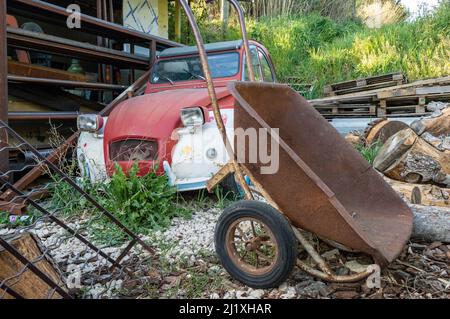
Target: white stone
(256, 294)
(291, 293)
(355, 266)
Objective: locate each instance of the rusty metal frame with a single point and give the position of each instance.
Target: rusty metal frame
(45, 163)
(10, 291)
(325, 272)
(72, 183)
(38, 170)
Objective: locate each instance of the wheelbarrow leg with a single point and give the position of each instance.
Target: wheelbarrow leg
(325, 272)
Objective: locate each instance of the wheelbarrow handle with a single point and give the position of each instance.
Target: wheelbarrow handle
(212, 93)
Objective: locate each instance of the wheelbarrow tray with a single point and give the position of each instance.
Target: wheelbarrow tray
(323, 185)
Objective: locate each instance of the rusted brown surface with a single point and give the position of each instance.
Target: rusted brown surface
(253, 249)
(323, 185)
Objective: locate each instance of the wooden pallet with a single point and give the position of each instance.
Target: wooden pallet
(411, 100)
(347, 109)
(403, 100)
(365, 84)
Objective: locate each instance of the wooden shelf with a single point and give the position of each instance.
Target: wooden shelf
(45, 11)
(55, 45)
(65, 84)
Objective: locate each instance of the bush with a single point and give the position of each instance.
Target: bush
(142, 202)
(321, 51)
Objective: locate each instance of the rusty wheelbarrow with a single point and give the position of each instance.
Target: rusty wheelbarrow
(321, 185)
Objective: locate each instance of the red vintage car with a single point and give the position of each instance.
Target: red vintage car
(171, 127)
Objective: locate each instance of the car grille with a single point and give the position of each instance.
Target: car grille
(133, 150)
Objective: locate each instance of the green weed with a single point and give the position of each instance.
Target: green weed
(369, 152)
(321, 51)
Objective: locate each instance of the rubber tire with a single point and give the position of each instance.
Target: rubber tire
(280, 227)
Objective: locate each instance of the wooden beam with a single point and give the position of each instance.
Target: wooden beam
(38, 71)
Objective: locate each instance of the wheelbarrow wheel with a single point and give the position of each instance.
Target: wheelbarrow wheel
(255, 244)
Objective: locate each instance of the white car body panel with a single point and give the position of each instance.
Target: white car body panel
(90, 156)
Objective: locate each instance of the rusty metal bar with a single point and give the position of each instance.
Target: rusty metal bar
(56, 45)
(38, 170)
(65, 83)
(311, 251)
(39, 116)
(4, 157)
(123, 253)
(212, 94)
(11, 291)
(124, 95)
(152, 53)
(333, 278)
(27, 263)
(58, 221)
(75, 186)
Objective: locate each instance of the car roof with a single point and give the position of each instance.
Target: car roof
(210, 47)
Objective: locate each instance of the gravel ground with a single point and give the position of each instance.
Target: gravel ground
(184, 265)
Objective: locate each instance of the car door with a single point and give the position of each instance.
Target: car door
(262, 67)
(267, 69)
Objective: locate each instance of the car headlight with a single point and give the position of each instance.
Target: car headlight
(211, 153)
(192, 116)
(89, 122)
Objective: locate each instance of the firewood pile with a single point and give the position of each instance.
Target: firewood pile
(415, 161)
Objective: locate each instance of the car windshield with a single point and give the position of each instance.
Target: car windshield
(184, 69)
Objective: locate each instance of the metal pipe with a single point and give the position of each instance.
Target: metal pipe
(240, 12)
(213, 97)
(42, 116)
(4, 156)
(325, 272)
(28, 157)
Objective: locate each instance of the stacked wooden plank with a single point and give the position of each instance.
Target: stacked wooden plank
(365, 84)
(400, 100)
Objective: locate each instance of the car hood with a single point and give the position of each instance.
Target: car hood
(155, 115)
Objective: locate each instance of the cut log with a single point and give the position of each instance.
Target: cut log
(22, 280)
(353, 138)
(423, 194)
(382, 130)
(435, 125)
(407, 157)
(431, 223)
